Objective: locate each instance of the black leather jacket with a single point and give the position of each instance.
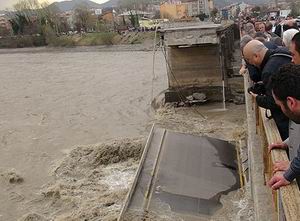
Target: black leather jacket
(270, 65)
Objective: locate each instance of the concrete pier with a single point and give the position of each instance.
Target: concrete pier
(199, 59)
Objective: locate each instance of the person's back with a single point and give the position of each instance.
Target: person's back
(273, 60)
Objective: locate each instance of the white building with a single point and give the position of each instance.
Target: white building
(197, 7)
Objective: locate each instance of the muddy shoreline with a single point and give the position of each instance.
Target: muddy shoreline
(78, 49)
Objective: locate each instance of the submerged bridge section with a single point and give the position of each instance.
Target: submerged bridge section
(181, 177)
(199, 59)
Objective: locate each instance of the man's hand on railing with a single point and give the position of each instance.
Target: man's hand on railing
(252, 94)
(278, 145)
(243, 70)
(278, 181)
(280, 166)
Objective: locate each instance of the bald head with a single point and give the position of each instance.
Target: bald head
(254, 52)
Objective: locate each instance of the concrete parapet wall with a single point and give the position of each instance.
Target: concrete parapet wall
(261, 194)
(192, 37)
(194, 66)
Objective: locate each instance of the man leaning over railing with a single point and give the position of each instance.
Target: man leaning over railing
(285, 86)
(269, 62)
(292, 142)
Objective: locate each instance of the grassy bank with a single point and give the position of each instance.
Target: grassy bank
(22, 41)
(87, 39)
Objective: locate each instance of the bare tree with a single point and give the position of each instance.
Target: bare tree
(29, 17)
(84, 19)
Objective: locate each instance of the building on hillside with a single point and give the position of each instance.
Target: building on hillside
(98, 11)
(243, 6)
(173, 11)
(140, 14)
(234, 10)
(108, 16)
(197, 7)
(284, 13)
(248, 10)
(277, 3)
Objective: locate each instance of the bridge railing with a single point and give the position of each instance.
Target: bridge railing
(286, 200)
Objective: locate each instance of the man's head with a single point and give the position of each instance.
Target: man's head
(254, 52)
(288, 36)
(285, 87)
(262, 27)
(245, 40)
(295, 48)
(248, 27)
(261, 37)
(269, 26)
(256, 25)
(288, 24)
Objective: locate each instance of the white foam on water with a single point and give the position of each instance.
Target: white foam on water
(118, 176)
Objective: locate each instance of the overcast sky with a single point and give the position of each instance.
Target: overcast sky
(9, 3)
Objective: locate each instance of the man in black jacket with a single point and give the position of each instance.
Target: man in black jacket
(254, 72)
(285, 88)
(269, 62)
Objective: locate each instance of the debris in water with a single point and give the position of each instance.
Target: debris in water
(11, 176)
(32, 217)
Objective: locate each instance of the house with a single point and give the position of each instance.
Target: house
(234, 10)
(284, 13)
(173, 11)
(198, 7)
(108, 15)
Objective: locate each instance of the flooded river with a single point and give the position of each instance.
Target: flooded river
(53, 101)
(93, 104)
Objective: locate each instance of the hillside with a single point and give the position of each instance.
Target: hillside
(110, 3)
(223, 3)
(70, 5)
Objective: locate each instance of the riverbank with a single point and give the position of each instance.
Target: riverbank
(86, 39)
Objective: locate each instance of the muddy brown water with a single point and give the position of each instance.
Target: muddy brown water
(53, 100)
(57, 104)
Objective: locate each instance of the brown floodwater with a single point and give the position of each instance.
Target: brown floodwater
(72, 126)
(55, 99)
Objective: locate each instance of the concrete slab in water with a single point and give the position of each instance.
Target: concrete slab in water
(181, 176)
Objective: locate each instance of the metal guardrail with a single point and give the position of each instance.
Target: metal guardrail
(286, 200)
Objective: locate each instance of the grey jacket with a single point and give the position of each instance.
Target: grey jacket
(294, 139)
(293, 143)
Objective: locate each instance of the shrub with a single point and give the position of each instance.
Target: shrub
(38, 41)
(24, 41)
(107, 37)
(62, 41)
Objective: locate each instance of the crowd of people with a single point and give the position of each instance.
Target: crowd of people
(271, 54)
